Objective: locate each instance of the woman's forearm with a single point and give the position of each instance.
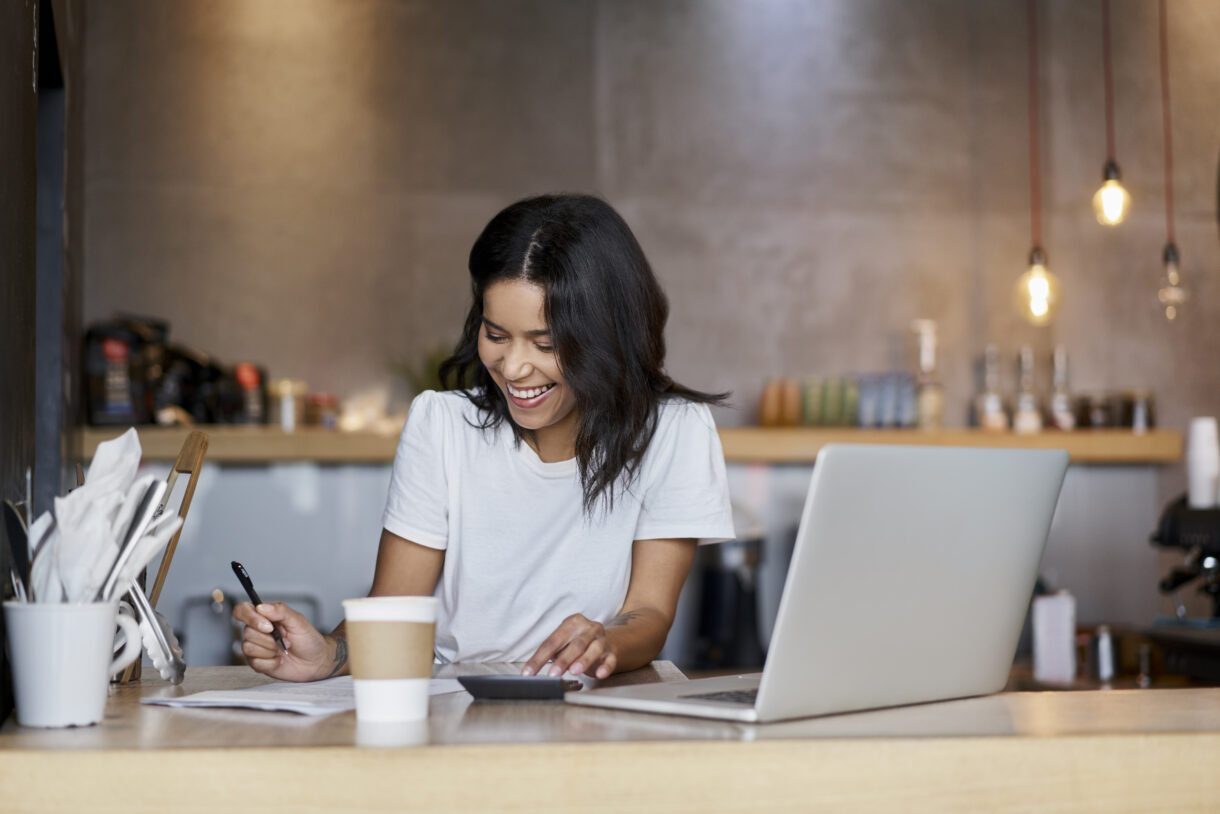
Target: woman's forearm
(338, 639)
(636, 636)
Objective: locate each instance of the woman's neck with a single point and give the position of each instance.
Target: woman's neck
(556, 442)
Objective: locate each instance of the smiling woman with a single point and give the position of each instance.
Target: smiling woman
(515, 348)
(553, 498)
(604, 314)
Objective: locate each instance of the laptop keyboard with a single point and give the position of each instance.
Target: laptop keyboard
(746, 697)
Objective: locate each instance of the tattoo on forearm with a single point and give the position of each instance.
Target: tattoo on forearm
(340, 653)
(624, 618)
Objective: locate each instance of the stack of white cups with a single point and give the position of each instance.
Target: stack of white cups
(1203, 463)
(1054, 624)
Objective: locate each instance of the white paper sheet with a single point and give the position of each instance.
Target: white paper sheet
(311, 698)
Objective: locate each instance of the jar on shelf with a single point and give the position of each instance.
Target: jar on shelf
(286, 403)
(322, 410)
(1096, 411)
(1137, 410)
(253, 396)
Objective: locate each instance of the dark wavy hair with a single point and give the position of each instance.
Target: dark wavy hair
(606, 313)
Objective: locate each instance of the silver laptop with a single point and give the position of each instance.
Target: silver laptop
(909, 581)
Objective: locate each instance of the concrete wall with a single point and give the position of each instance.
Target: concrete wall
(299, 182)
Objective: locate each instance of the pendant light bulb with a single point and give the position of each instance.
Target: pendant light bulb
(1036, 294)
(1172, 293)
(1111, 201)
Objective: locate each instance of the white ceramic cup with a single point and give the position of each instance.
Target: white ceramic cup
(1202, 463)
(390, 642)
(62, 659)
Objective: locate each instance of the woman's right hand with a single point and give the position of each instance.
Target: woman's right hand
(308, 656)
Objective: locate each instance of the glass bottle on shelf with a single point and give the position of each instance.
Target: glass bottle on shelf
(1063, 417)
(929, 395)
(989, 405)
(1027, 417)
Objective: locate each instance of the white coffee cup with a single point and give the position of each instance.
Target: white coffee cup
(1202, 463)
(62, 659)
(390, 643)
(394, 734)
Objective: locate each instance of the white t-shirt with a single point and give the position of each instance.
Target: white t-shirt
(520, 554)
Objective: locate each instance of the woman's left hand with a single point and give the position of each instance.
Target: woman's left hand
(577, 646)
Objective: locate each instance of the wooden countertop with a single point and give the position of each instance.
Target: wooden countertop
(1118, 750)
(238, 444)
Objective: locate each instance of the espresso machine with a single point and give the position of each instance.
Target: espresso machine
(1197, 532)
(1191, 645)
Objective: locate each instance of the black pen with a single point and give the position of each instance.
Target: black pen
(253, 594)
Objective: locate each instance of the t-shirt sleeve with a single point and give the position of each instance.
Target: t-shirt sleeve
(417, 508)
(686, 491)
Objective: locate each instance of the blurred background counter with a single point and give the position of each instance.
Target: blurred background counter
(303, 511)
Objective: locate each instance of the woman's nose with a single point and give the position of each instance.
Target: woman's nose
(516, 364)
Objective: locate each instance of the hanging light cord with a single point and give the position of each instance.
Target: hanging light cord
(1035, 189)
(1105, 55)
(1165, 116)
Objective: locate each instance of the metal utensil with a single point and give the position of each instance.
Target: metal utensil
(19, 546)
(41, 532)
(139, 522)
(159, 639)
(38, 547)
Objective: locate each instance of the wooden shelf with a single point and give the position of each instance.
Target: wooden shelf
(237, 444)
(801, 444)
(246, 444)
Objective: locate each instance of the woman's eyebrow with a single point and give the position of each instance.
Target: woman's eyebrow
(536, 332)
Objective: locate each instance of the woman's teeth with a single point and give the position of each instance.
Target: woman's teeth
(528, 393)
